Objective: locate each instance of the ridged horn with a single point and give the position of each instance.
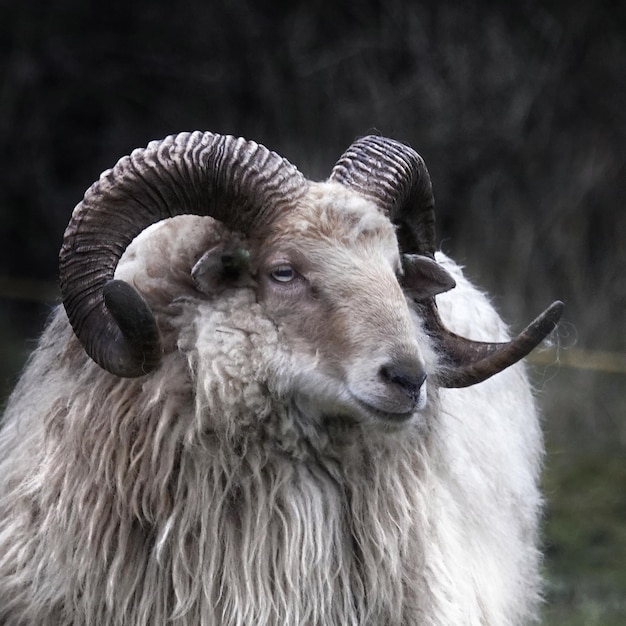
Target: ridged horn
(238, 182)
(395, 177)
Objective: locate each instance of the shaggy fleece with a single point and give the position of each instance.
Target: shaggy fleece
(205, 495)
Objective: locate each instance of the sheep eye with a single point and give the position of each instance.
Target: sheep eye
(283, 273)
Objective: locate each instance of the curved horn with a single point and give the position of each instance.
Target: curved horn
(467, 362)
(395, 177)
(233, 180)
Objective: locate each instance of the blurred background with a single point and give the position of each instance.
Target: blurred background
(519, 110)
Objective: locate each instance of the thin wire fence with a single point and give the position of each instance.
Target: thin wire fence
(581, 358)
(22, 289)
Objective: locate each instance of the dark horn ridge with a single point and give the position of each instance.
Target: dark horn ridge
(395, 177)
(233, 180)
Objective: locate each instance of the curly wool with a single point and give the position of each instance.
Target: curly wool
(203, 495)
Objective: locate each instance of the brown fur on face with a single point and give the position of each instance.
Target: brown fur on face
(344, 309)
(342, 315)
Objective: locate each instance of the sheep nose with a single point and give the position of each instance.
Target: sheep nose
(407, 379)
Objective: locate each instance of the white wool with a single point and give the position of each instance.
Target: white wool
(204, 494)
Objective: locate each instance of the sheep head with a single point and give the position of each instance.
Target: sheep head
(342, 266)
(329, 275)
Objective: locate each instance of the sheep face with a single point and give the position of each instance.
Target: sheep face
(328, 276)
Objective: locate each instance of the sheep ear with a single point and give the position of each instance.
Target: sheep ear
(424, 278)
(220, 266)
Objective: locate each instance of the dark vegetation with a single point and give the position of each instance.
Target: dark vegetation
(518, 108)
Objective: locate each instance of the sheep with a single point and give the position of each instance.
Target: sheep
(262, 410)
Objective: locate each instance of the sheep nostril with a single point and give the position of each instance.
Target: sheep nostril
(408, 381)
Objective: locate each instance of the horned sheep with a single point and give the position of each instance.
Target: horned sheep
(265, 412)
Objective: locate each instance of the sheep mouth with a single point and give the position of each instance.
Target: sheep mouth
(395, 417)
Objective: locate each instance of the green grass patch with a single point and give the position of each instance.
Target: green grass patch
(585, 540)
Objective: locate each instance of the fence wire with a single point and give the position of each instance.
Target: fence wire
(573, 357)
(581, 358)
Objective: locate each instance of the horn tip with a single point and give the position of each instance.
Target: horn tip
(139, 349)
(548, 320)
